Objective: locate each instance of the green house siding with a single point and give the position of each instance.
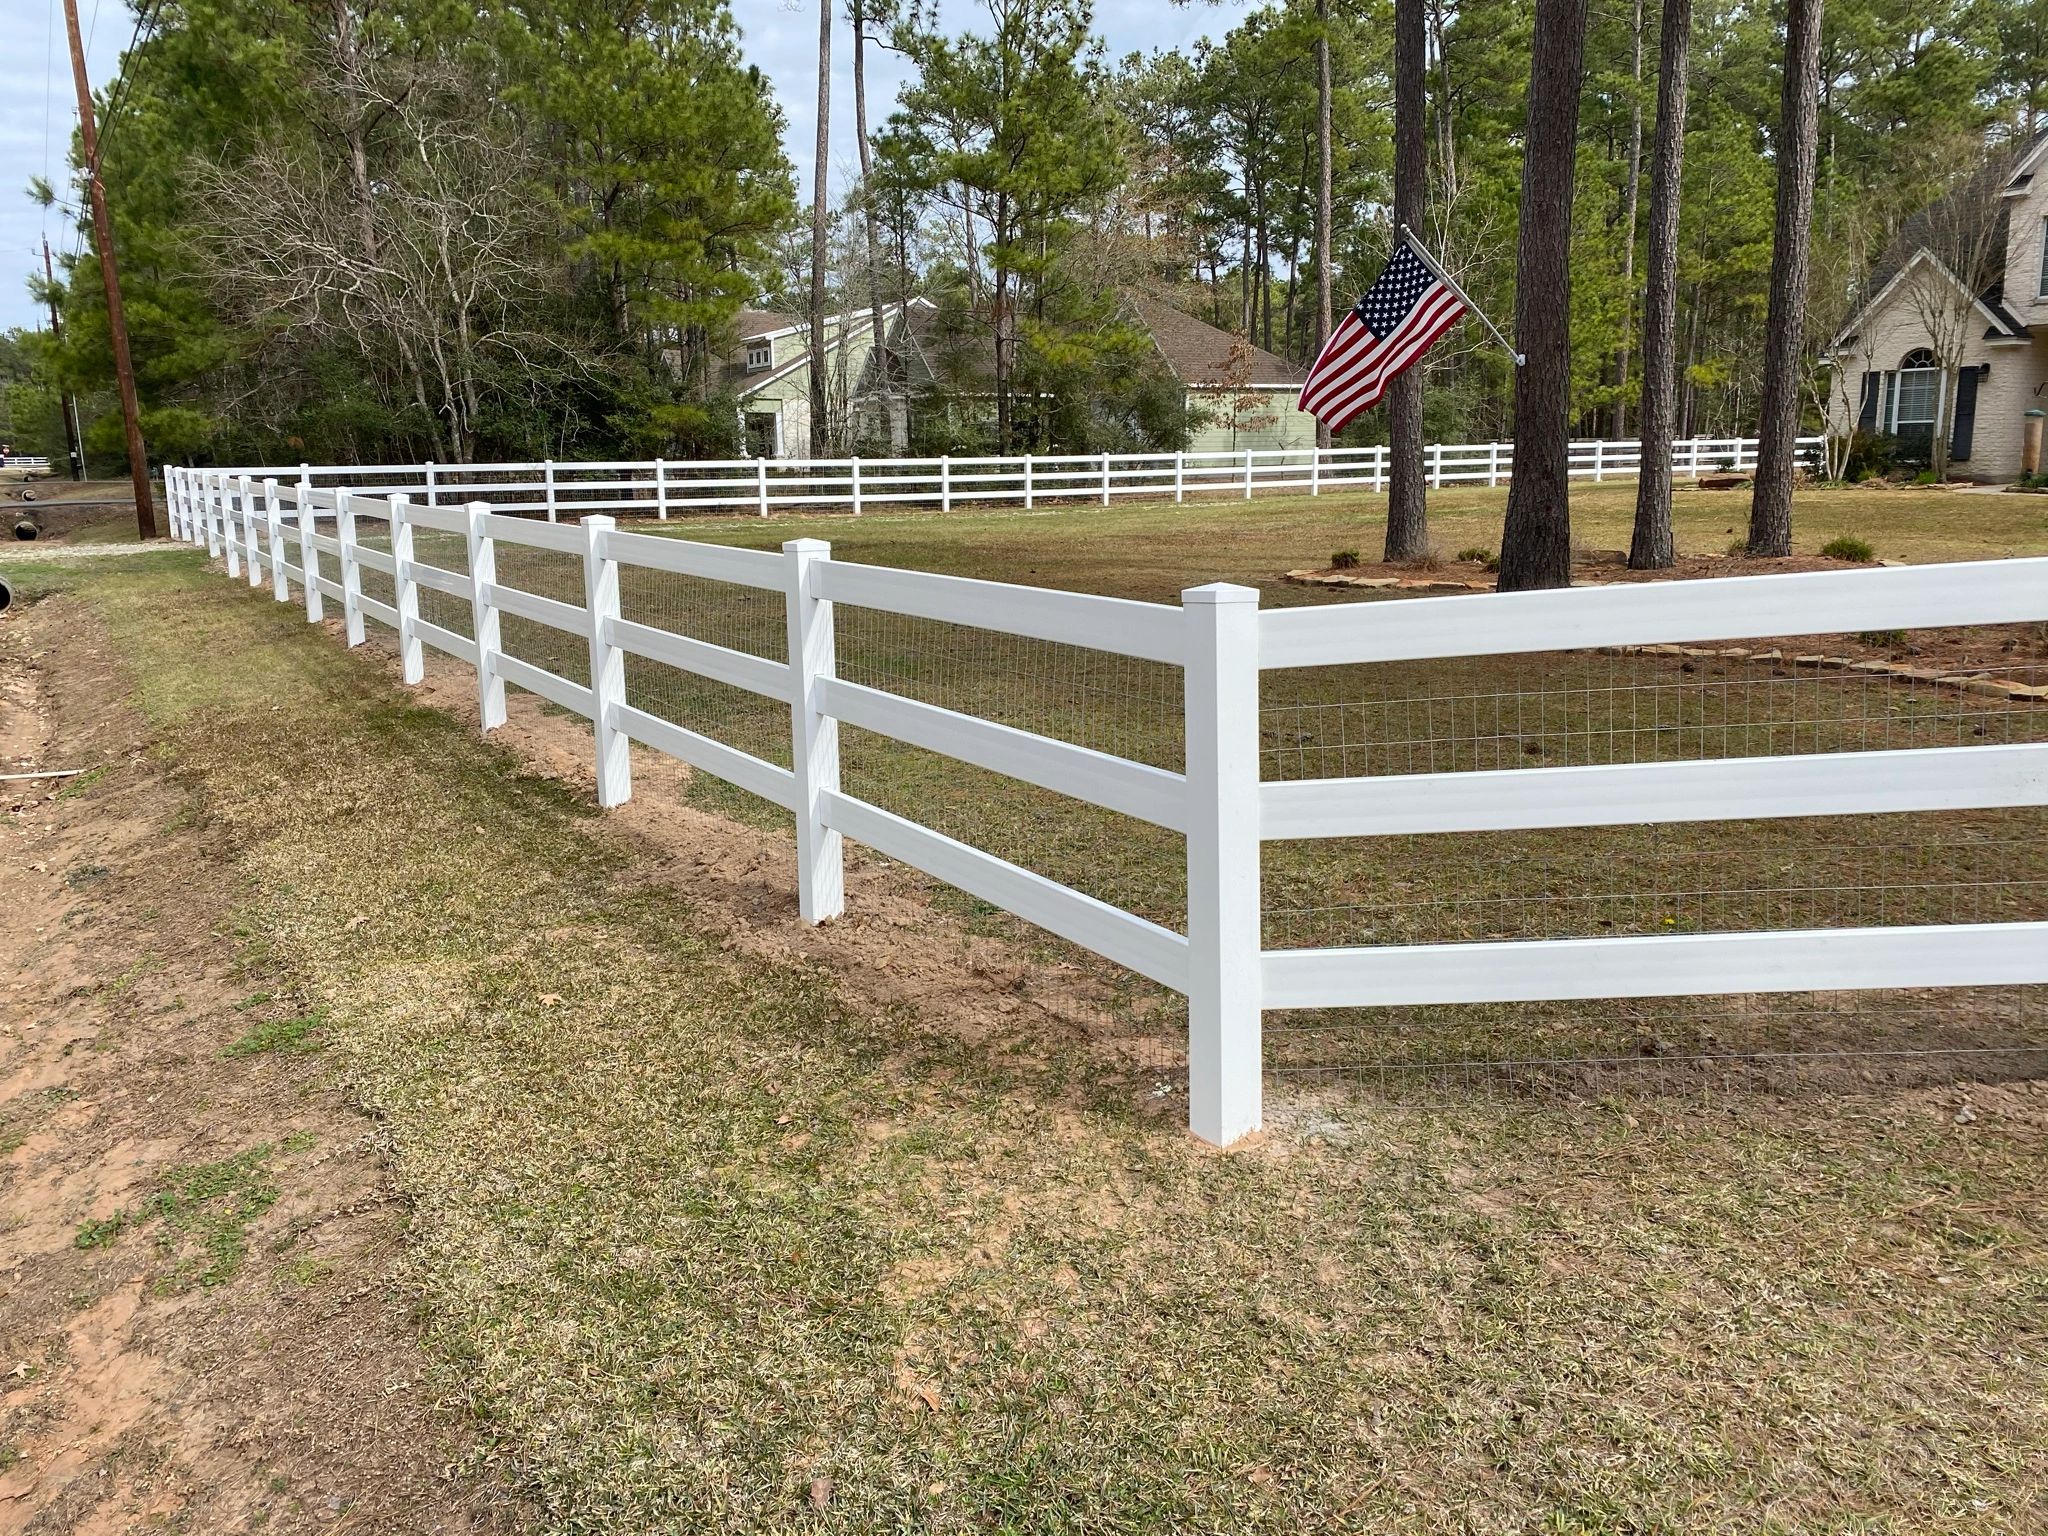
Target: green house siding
(1250, 418)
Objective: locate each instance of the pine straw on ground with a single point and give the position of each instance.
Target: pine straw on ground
(714, 1248)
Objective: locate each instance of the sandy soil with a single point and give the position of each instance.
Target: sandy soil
(288, 1394)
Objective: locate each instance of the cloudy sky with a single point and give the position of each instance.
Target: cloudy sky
(36, 97)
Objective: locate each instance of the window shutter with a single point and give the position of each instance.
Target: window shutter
(1966, 415)
(1866, 412)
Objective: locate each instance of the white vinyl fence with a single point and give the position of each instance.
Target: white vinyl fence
(679, 487)
(25, 461)
(1222, 643)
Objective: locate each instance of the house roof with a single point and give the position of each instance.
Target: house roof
(1203, 356)
(763, 322)
(1974, 217)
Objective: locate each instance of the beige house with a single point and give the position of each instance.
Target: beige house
(770, 372)
(1947, 345)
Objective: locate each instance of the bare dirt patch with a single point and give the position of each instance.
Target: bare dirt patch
(204, 1323)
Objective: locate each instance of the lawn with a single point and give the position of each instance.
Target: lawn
(718, 1234)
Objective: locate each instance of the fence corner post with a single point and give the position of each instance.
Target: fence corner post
(273, 530)
(1225, 1048)
(405, 594)
(814, 735)
(607, 664)
(483, 617)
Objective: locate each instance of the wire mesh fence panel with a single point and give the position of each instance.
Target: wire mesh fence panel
(447, 552)
(1843, 693)
(1960, 688)
(1119, 705)
(551, 574)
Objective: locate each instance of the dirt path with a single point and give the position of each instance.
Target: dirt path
(205, 1321)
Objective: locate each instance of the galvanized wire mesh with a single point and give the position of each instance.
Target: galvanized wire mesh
(448, 552)
(1960, 688)
(1115, 704)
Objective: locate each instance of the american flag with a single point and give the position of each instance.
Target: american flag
(1389, 329)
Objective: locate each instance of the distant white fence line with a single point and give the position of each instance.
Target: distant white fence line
(680, 487)
(1223, 642)
(24, 461)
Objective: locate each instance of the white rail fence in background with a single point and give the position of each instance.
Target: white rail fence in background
(679, 487)
(24, 461)
(1223, 642)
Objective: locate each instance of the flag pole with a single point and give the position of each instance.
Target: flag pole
(1450, 282)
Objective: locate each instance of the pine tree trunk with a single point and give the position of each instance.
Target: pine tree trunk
(1324, 198)
(820, 166)
(884, 383)
(1631, 206)
(1407, 508)
(1770, 509)
(1536, 543)
(1651, 548)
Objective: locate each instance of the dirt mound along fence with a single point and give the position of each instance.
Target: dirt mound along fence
(1233, 783)
(683, 487)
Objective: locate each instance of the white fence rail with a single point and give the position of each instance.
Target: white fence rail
(680, 487)
(24, 461)
(1222, 642)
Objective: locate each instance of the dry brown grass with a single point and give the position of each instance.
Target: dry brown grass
(715, 1248)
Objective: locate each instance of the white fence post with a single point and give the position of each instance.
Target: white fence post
(661, 489)
(1028, 489)
(945, 482)
(1105, 479)
(1599, 460)
(309, 557)
(814, 737)
(548, 479)
(853, 477)
(1436, 466)
(761, 483)
(351, 572)
(1379, 468)
(1315, 470)
(252, 555)
(171, 499)
(1247, 474)
(230, 531)
(1180, 467)
(412, 656)
(273, 527)
(430, 483)
(607, 665)
(1492, 465)
(1225, 1053)
(483, 618)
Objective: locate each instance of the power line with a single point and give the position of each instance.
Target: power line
(145, 16)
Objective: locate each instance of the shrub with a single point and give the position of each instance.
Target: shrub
(1344, 560)
(1478, 552)
(1870, 455)
(1925, 477)
(1883, 639)
(1738, 546)
(1848, 547)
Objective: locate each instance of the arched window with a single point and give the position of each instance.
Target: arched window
(1916, 395)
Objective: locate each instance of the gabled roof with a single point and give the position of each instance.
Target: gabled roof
(1975, 216)
(1203, 356)
(835, 327)
(765, 322)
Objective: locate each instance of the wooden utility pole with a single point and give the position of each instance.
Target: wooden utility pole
(67, 403)
(110, 279)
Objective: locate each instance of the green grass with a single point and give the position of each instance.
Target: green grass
(101, 1231)
(206, 1209)
(698, 1230)
(292, 1036)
